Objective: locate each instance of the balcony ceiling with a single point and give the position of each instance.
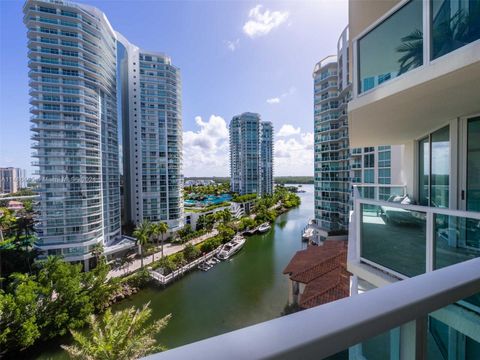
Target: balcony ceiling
(418, 102)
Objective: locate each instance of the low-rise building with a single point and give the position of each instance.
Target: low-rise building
(318, 275)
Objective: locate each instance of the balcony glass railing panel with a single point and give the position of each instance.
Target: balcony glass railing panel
(385, 346)
(392, 48)
(457, 239)
(449, 335)
(455, 23)
(394, 238)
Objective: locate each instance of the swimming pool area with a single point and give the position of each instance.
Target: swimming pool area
(209, 200)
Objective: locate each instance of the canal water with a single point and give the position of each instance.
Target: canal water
(247, 289)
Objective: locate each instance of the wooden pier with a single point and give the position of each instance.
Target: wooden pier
(166, 279)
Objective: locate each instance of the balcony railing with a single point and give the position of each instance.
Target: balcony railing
(408, 240)
(358, 322)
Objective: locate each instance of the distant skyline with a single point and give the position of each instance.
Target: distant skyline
(234, 57)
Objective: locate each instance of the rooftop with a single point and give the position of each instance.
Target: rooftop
(323, 270)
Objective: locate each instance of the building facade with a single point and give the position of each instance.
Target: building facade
(266, 156)
(433, 53)
(12, 179)
(251, 155)
(72, 61)
(152, 136)
(337, 165)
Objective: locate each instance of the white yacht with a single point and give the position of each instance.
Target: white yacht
(264, 228)
(231, 247)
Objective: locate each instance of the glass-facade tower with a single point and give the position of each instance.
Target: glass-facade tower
(72, 61)
(337, 166)
(152, 137)
(251, 155)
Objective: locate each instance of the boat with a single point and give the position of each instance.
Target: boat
(204, 266)
(264, 228)
(231, 248)
(250, 231)
(211, 262)
(307, 234)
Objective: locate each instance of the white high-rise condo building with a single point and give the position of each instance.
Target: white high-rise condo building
(72, 61)
(337, 166)
(12, 179)
(266, 156)
(251, 155)
(76, 61)
(152, 136)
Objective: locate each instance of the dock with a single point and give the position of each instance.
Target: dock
(166, 279)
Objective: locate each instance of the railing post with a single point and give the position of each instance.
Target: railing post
(358, 219)
(430, 240)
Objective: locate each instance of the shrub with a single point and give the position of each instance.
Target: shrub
(190, 252)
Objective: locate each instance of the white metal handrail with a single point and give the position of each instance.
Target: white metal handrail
(328, 329)
(420, 208)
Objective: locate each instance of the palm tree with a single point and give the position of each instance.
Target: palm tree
(97, 251)
(155, 231)
(123, 335)
(142, 234)
(163, 229)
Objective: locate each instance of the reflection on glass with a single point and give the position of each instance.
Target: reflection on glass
(473, 164)
(449, 337)
(381, 347)
(394, 238)
(457, 239)
(439, 178)
(392, 48)
(423, 171)
(434, 169)
(455, 23)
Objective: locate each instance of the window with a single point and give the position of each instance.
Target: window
(47, 10)
(369, 160)
(70, 72)
(69, 13)
(384, 176)
(454, 24)
(393, 48)
(384, 159)
(369, 176)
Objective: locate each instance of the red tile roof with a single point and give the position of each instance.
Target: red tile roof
(324, 272)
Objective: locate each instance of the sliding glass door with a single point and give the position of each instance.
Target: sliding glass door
(473, 165)
(434, 169)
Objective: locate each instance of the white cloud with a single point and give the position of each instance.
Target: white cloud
(274, 100)
(261, 23)
(288, 130)
(232, 45)
(294, 153)
(206, 151)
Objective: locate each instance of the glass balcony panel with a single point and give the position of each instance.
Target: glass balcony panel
(452, 333)
(392, 48)
(394, 238)
(455, 23)
(457, 239)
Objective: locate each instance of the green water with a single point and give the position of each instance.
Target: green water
(247, 289)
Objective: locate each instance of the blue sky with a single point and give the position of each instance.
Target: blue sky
(235, 56)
